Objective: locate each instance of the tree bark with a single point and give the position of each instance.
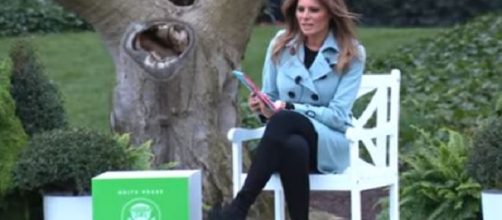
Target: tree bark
(186, 108)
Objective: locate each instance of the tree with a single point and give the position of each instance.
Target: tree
(173, 61)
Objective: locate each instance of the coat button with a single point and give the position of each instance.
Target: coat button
(310, 113)
(314, 97)
(291, 94)
(298, 79)
(292, 51)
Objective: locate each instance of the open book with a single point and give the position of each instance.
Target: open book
(244, 79)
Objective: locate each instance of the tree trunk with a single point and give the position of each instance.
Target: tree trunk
(173, 61)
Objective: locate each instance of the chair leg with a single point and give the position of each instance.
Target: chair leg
(279, 207)
(394, 202)
(355, 204)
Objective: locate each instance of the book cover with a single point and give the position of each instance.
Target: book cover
(244, 79)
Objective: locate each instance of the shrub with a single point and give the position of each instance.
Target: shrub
(450, 80)
(12, 136)
(66, 160)
(17, 20)
(404, 13)
(38, 101)
(485, 158)
(435, 184)
(421, 13)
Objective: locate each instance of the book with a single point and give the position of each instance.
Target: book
(244, 79)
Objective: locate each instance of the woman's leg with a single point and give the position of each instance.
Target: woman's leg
(299, 150)
(265, 162)
(273, 152)
(294, 173)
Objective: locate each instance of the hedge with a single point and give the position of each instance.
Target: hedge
(15, 21)
(421, 13)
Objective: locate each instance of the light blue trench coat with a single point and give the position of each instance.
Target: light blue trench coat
(323, 95)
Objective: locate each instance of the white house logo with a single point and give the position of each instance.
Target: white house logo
(141, 209)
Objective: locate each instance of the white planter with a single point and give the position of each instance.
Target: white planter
(67, 207)
(491, 201)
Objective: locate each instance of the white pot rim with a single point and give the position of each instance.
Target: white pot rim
(492, 191)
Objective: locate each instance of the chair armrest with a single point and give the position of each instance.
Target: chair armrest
(352, 134)
(236, 135)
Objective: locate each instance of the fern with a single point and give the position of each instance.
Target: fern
(141, 156)
(435, 183)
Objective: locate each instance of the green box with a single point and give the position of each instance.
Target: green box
(147, 195)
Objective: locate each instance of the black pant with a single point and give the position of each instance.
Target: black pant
(289, 147)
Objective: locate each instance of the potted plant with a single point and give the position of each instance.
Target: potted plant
(485, 165)
(61, 163)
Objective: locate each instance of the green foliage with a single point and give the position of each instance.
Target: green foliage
(66, 160)
(435, 184)
(22, 3)
(12, 136)
(38, 101)
(249, 119)
(169, 165)
(450, 80)
(13, 206)
(18, 19)
(485, 158)
(498, 106)
(421, 13)
(140, 156)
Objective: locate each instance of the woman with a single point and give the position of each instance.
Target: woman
(312, 71)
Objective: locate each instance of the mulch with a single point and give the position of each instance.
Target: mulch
(338, 203)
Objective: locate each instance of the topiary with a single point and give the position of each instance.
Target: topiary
(12, 136)
(485, 158)
(38, 101)
(66, 160)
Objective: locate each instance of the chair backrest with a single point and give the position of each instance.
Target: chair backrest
(376, 127)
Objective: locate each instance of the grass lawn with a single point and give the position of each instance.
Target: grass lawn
(80, 65)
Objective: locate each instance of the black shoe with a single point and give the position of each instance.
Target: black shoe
(215, 213)
(225, 213)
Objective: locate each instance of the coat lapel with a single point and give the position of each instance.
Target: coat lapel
(322, 65)
(326, 59)
(295, 69)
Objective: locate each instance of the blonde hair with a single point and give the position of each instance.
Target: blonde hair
(342, 24)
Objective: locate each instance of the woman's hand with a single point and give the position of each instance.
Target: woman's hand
(257, 105)
(254, 103)
(265, 110)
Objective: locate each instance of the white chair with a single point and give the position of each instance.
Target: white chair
(379, 137)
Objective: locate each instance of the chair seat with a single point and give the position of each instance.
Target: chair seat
(364, 176)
